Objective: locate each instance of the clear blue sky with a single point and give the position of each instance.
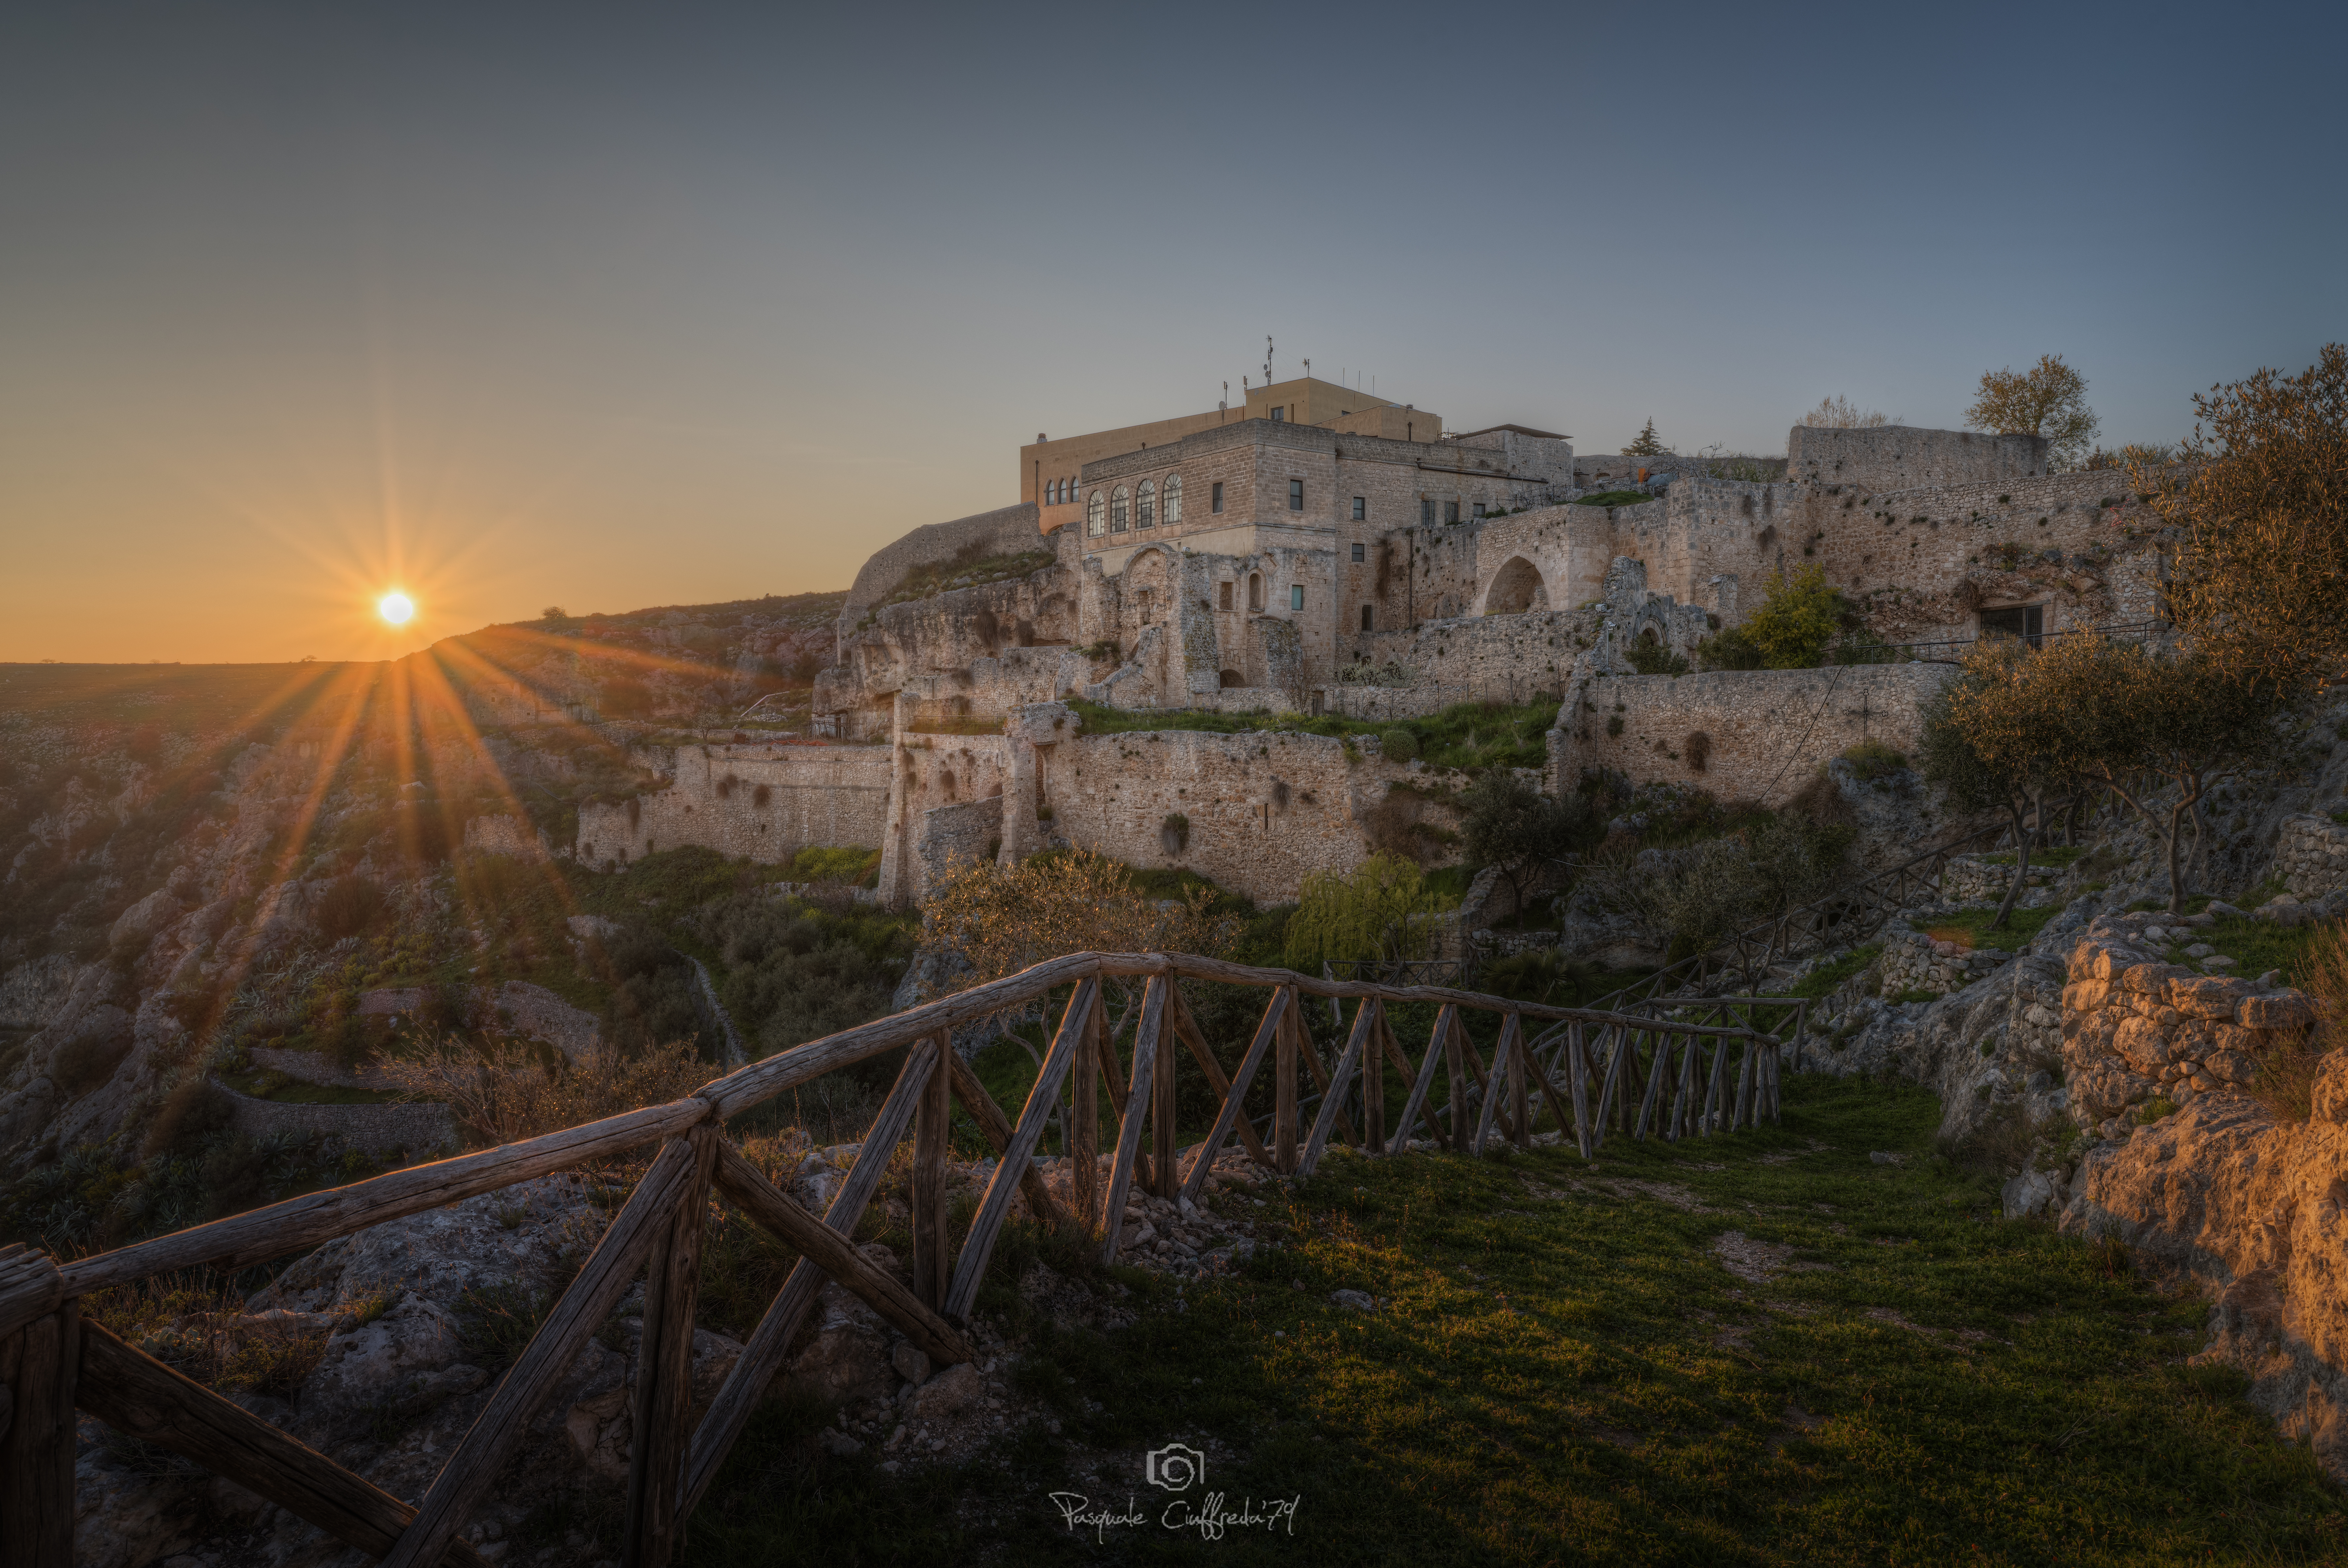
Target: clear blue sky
(518, 304)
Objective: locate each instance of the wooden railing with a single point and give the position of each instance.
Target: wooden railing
(1586, 1068)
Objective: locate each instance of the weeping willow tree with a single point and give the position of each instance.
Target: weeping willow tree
(1382, 912)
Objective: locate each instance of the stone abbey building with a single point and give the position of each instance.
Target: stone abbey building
(1315, 550)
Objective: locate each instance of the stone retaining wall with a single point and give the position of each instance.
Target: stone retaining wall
(1972, 879)
(2137, 1027)
(2312, 856)
(415, 1128)
(1912, 961)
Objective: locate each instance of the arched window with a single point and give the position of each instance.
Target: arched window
(1121, 507)
(1052, 493)
(1145, 506)
(1173, 499)
(1093, 515)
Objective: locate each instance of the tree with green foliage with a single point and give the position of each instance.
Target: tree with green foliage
(2126, 719)
(2048, 399)
(1797, 620)
(1648, 445)
(2261, 492)
(1987, 742)
(1380, 914)
(1508, 824)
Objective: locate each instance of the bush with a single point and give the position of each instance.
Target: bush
(351, 907)
(1004, 918)
(1397, 744)
(1799, 616)
(1380, 913)
(1872, 760)
(848, 863)
(87, 1060)
(1613, 498)
(1650, 657)
(1729, 650)
(503, 1091)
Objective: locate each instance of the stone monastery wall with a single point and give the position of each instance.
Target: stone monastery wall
(762, 803)
(1902, 457)
(1004, 530)
(1766, 731)
(1265, 810)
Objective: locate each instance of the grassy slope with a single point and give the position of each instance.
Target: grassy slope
(1565, 1374)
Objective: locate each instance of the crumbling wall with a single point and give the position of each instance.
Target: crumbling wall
(1902, 457)
(1005, 531)
(1766, 732)
(764, 803)
(1265, 811)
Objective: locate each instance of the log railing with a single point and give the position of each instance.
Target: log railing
(1640, 1072)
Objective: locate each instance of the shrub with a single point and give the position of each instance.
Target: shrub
(1397, 744)
(87, 1060)
(1382, 912)
(1650, 657)
(1729, 650)
(1799, 616)
(848, 863)
(350, 907)
(1507, 824)
(1002, 918)
(1613, 724)
(503, 1091)
(1872, 760)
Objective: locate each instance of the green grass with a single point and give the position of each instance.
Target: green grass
(1614, 498)
(2254, 945)
(1563, 1372)
(1826, 977)
(1467, 736)
(2020, 927)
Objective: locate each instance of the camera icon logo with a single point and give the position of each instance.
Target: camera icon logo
(1175, 1467)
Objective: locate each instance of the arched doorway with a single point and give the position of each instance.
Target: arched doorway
(1515, 588)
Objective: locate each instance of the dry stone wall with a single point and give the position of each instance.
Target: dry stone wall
(1766, 732)
(1901, 457)
(762, 803)
(1265, 811)
(2312, 856)
(2136, 1026)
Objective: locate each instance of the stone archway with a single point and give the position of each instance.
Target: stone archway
(1515, 588)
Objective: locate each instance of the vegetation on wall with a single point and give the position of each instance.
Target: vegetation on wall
(2048, 399)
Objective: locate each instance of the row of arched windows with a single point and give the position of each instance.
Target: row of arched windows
(1142, 506)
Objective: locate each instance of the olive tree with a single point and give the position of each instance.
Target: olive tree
(2261, 495)
(2048, 399)
(1994, 741)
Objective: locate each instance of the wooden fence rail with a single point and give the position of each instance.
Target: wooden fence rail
(1654, 1070)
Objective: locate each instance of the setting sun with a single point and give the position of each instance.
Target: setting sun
(395, 608)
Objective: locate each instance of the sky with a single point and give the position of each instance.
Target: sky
(528, 304)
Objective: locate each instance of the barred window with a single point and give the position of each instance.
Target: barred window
(1173, 499)
(1120, 508)
(1145, 506)
(1361, 508)
(1296, 495)
(1450, 511)
(1426, 513)
(1093, 515)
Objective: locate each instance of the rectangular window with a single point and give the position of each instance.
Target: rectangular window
(1366, 617)
(1451, 511)
(1426, 513)
(1296, 495)
(1296, 596)
(1215, 503)
(1479, 509)
(1361, 554)
(2022, 621)
(1279, 416)
(1226, 595)
(1142, 603)
(1361, 508)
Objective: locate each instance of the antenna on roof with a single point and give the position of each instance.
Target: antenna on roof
(1308, 370)
(1267, 359)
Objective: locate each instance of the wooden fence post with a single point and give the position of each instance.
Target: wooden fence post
(1283, 1093)
(1373, 1083)
(39, 1363)
(1165, 1164)
(665, 1372)
(1234, 1111)
(933, 1116)
(1084, 1135)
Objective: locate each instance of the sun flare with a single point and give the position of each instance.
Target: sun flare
(395, 608)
